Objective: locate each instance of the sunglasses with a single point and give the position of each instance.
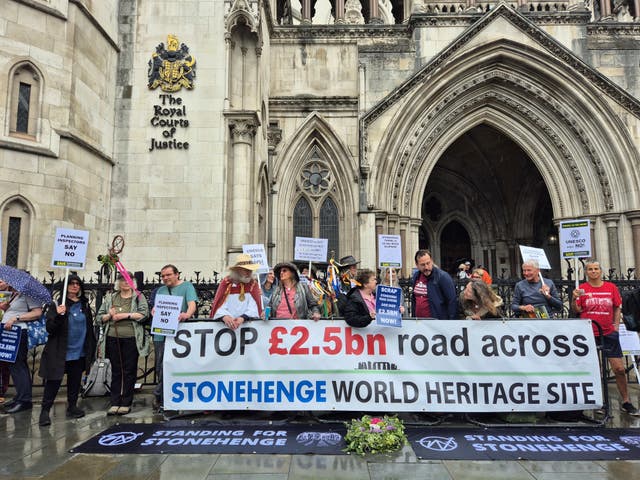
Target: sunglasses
(74, 283)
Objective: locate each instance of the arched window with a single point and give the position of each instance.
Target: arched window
(302, 219)
(25, 101)
(329, 225)
(16, 219)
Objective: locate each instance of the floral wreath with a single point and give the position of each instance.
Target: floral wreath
(375, 435)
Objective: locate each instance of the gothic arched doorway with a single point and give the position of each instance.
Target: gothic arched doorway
(486, 180)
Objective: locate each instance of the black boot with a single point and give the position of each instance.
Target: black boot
(74, 412)
(44, 420)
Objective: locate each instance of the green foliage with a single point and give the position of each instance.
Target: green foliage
(375, 435)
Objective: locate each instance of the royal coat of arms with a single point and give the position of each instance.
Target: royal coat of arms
(173, 67)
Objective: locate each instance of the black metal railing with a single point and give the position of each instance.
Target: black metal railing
(97, 287)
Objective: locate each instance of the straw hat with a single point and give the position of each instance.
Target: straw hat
(244, 261)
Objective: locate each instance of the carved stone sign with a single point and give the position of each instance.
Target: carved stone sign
(169, 115)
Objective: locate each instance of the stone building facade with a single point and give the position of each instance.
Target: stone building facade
(194, 127)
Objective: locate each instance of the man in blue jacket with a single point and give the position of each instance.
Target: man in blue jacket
(434, 294)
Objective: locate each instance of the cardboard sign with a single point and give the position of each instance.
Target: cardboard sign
(9, 343)
(165, 315)
(629, 341)
(70, 248)
(258, 255)
(536, 254)
(311, 249)
(389, 251)
(575, 238)
(388, 301)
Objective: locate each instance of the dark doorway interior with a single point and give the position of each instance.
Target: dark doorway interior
(487, 197)
(456, 246)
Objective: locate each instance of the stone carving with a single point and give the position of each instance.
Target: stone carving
(248, 10)
(315, 179)
(353, 12)
(171, 68)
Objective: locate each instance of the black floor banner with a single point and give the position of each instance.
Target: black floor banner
(177, 437)
(525, 444)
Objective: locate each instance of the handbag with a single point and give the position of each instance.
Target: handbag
(98, 381)
(37, 330)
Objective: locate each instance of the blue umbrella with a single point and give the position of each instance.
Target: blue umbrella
(25, 283)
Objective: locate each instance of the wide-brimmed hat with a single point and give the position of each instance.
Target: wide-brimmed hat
(348, 261)
(244, 261)
(288, 265)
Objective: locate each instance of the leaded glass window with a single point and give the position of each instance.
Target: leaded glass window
(329, 225)
(24, 97)
(302, 219)
(13, 241)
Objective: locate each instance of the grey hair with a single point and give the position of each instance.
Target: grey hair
(532, 263)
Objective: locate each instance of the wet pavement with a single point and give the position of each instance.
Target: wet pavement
(29, 451)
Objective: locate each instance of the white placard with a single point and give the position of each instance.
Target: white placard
(629, 341)
(575, 238)
(311, 249)
(258, 255)
(537, 254)
(70, 248)
(389, 251)
(165, 315)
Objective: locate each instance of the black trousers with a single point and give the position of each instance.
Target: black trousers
(74, 370)
(123, 354)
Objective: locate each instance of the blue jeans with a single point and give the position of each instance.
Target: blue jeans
(20, 372)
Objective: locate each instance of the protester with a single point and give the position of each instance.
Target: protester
(481, 274)
(8, 293)
(434, 294)
(533, 298)
(175, 286)
(360, 308)
(22, 309)
(238, 296)
(348, 272)
(601, 302)
(390, 278)
(268, 286)
(478, 301)
(462, 272)
(69, 349)
(292, 299)
(122, 315)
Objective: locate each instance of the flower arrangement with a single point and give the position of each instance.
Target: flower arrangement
(375, 435)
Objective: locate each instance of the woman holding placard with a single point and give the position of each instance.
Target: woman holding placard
(122, 315)
(69, 349)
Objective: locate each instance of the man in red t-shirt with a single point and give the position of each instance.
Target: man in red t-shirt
(600, 302)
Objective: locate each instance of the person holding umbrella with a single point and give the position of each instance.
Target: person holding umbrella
(24, 307)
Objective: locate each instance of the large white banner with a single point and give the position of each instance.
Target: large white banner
(428, 365)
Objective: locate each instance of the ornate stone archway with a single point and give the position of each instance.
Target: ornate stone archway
(563, 120)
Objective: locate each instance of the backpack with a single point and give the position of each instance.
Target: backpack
(98, 382)
(631, 309)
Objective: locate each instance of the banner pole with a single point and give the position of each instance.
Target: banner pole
(575, 268)
(64, 288)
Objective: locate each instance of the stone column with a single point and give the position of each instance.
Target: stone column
(339, 13)
(611, 221)
(374, 12)
(605, 9)
(274, 137)
(242, 129)
(634, 218)
(306, 11)
(412, 246)
(404, 227)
